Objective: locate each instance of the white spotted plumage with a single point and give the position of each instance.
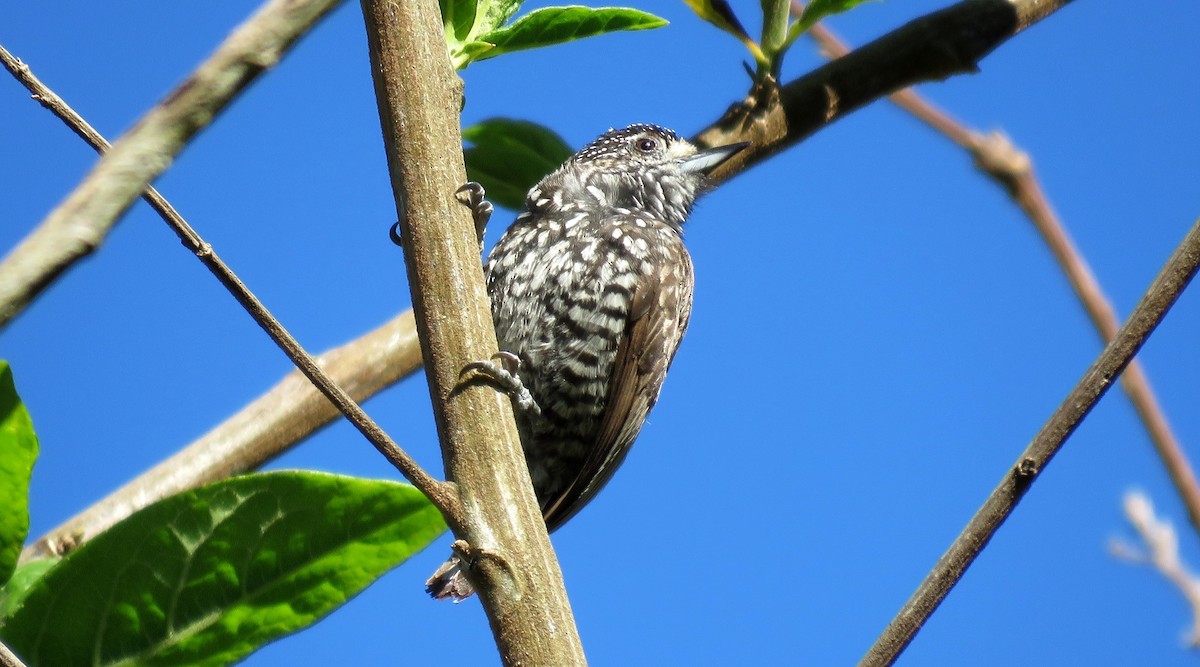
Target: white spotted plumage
(591, 288)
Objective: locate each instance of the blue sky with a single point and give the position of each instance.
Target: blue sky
(877, 331)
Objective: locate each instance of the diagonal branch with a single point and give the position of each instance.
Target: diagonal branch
(267, 427)
(81, 221)
(931, 48)
(1012, 170)
(1158, 299)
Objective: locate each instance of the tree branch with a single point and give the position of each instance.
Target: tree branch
(1155, 303)
(79, 224)
(513, 566)
(931, 48)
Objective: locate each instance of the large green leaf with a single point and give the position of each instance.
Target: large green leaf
(210, 575)
(508, 157)
(18, 451)
(555, 25)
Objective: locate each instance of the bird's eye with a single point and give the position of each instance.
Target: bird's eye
(646, 144)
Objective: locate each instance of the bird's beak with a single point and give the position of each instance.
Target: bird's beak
(707, 160)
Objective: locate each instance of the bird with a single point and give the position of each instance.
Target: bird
(591, 291)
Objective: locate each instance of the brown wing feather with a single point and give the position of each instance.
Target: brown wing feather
(662, 303)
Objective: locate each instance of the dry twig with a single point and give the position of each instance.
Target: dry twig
(1158, 299)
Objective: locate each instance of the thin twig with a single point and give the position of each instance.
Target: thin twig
(1162, 546)
(265, 428)
(1153, 306)
(1012, 170)
(437, 491)
(79, 224)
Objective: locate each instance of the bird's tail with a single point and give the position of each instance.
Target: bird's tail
(449, 582)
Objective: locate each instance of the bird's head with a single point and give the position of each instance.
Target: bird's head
(642, 167)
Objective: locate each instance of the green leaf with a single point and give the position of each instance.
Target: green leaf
(13, 593)
(815, 11)
(458, 18)
(208, 576)
(720, 14)
(18, 451)
(555, 25)
(510, 156)
(465, 20)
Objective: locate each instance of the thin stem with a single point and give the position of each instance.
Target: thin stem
(437, 491)
(774, 33)
(1158, 299)
(262, 430)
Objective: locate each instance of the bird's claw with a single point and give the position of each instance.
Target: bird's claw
(471, 195)
(505, 375)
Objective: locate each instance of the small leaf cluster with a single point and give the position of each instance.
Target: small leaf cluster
(778, 34)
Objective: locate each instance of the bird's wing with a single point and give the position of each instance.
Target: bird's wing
(658, 316)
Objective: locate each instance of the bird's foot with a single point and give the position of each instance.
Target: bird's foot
(472, 196)
(502, 369)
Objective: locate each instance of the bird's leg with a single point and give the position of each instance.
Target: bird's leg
(505, 375)
(471, 195)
